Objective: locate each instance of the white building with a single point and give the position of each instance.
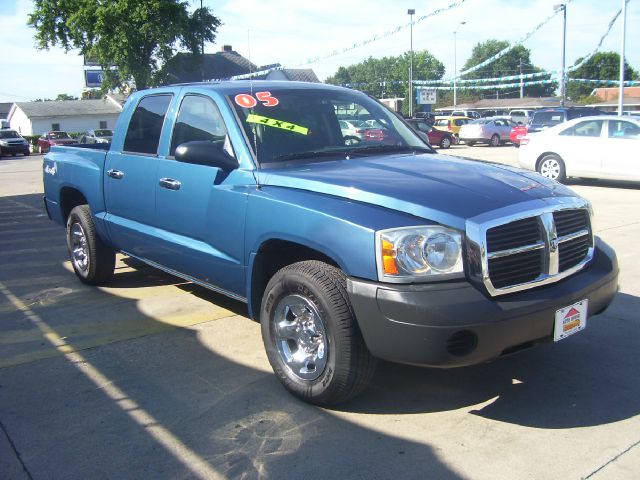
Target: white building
(35, 118)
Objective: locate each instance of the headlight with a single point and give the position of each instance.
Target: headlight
(4, 143)
(414, 254)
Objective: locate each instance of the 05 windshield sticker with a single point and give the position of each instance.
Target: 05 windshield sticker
(272, 122)
(248, 101)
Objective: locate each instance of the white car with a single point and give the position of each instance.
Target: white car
(353, 130)
(605, 146)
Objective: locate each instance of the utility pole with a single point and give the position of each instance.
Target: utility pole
(455, 66)
(521, 81)
(624, 28)
(411, 12)
(563, 7)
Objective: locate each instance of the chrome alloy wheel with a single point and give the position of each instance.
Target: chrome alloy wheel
(300, 337)
(550, 168)
(79, 248)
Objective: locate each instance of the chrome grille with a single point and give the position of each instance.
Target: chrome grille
(536, 249)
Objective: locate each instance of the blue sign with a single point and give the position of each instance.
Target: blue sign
(93, 78)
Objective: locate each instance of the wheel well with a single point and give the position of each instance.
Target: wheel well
(69, 199)
(271, 257)
(542, 155)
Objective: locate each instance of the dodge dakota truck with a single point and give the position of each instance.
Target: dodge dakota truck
(345, 252)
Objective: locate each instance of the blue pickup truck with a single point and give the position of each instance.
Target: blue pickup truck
(345, 251)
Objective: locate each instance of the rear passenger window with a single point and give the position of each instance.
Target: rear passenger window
(145, 127)
(199, 119)
(622, 129)
(589, 128)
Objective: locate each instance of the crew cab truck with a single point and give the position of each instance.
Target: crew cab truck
(344, 252)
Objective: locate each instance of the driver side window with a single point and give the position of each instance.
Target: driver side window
(199, 119)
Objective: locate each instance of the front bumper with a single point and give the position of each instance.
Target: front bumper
(11, 149)
(453, 324)
(475, 139)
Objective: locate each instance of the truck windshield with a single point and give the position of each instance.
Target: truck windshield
(315, 124)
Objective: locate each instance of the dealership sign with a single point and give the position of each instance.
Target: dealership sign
(426, 96)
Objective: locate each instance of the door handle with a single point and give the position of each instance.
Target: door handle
(117, 174)
(170, 183)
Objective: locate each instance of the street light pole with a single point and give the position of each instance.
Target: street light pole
(411, 12)
(563, 7)
(624, 28)
(455, 65)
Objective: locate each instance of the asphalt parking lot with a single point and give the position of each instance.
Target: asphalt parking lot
(153, 377)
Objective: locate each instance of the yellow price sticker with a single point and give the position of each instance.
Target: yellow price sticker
(272, 122)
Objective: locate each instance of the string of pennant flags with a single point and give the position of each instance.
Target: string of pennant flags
(443, 84)
(386, 34)
(628, 83)
(525, 76)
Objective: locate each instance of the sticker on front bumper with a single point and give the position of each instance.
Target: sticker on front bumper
(570, 320)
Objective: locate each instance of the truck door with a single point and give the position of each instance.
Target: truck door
(200, 210)
(131, 178)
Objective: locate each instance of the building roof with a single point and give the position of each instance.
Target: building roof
(185, 67)
(227, 63)
(628, 100)
(298, 75)
(68, 108)
(609, 94)
(4, 109)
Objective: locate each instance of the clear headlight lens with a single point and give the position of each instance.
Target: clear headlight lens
(413, 254)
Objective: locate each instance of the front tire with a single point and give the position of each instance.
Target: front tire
(551, 166)
(91, 259)
(311, 335)
(495, 140)
(445, 142)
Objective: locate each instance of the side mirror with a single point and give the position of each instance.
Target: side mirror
(205, 152)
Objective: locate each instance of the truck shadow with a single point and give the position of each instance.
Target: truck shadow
(588, 379)
(195, 402)
(202, 402)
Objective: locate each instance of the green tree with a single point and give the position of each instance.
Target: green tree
(601, 66)
(519, 57)
(131, 39)
(388, 77)
(64, 96)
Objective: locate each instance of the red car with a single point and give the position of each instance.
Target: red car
(436, 137)
(517, 133)
(375, 135)
(48, 139)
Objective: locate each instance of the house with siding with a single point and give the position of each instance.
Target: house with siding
(34, 118)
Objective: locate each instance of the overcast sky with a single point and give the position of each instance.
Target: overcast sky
(290, 33)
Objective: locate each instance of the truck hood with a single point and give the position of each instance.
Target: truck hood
(440, 188)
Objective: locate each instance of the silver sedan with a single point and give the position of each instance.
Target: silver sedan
(493, 130)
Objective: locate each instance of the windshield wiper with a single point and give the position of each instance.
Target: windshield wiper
(337, 152)
(387, 149)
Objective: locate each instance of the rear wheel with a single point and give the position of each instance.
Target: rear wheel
(91, 259)
(551, 166)
(495, 140)
(445, 142)
(311, 335)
